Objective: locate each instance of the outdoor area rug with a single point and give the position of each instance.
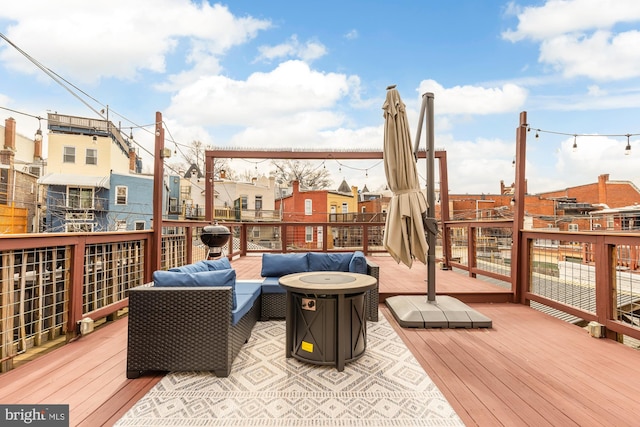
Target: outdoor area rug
(384, 387)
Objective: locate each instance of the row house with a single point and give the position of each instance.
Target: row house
(93, 180)
(21, 163)
(320, 206)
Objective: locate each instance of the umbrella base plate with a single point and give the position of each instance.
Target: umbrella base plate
(415, 311)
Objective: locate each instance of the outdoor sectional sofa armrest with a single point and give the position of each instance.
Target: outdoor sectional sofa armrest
(184, 329)
(372, 297)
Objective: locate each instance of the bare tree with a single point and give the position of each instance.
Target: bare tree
(308, 175)
(194, 154)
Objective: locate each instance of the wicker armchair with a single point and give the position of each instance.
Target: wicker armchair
(274, 306)
(184, 329)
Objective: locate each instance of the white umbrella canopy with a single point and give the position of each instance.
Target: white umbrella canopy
(404, 236)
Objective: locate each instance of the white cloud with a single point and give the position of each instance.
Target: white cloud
(594, 156)
(291, 92)
(558, 17)
(602, 56)
(577, 37)
(352, 35)
(475, 99)
(477, 166)
(292, 48)
(116, 44)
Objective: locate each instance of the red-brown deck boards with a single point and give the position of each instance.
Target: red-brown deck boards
(529, 365)
(529, 369)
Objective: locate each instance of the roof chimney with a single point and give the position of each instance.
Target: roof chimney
(602, 188)
(10, 134)
(132, 159)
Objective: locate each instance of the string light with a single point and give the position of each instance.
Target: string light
(627, 149)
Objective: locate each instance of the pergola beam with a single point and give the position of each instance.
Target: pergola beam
(298, 154)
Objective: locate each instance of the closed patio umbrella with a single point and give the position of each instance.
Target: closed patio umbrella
(404, 236)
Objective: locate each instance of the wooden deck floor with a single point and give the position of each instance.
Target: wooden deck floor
(529, 369)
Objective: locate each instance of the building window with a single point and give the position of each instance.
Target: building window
(139, 225)
(69, 155)
(91, 157)
(80, 198)
(256, 232)
(308, 207)
(244, 202)
(4, 186)
(122, 192)
(308, 234)
(78, 227)
(610, 223)
(121, 225)
(573, 227)
(173, 205)
(345, 207)
(258, 206)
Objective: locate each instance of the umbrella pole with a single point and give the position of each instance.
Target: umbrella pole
(431, 229)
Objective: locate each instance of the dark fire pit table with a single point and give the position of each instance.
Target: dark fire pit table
(326, 321)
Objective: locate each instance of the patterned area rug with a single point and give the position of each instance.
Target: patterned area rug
(384, 387)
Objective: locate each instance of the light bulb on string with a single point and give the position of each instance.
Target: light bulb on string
(575, 143)
(537, 134)
(627, 149)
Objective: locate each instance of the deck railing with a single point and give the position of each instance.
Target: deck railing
(51, 282)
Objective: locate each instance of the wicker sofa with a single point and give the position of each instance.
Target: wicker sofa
(275, 266)
(193, 321)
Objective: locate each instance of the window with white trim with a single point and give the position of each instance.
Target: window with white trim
(122, 193)
(345, 207)
(308, 206)
(573, 227)
(80, 198)
(69, 155)
(91, 156)
(138, 225)
(308, 234)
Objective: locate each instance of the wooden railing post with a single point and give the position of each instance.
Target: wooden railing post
(518, 249)
(605, 293)
(75, 283)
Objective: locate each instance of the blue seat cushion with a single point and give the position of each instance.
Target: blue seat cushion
(276, 265)
(191, 268)
(271, 285)
(217, 264)
(248, 287)
(245, 302)
(332, 261)
(358, 263)
(203, 278)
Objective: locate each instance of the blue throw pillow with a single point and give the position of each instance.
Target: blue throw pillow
(191, 268)
(203, 278)
(276, 265)
(217, 264)
(358, 263)
(331, 261)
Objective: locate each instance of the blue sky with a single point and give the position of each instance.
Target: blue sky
(252, 74)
